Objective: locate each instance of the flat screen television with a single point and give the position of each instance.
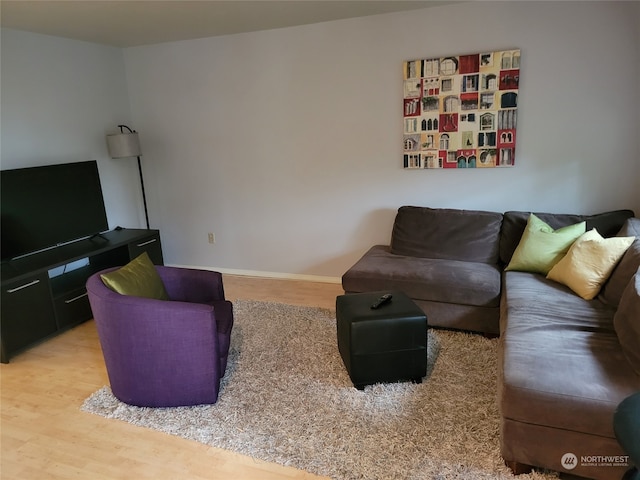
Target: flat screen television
(43, 207)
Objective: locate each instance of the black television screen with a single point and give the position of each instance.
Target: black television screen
(50, 205)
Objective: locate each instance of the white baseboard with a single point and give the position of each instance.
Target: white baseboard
(261, 274)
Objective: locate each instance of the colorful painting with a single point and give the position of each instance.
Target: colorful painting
(460, 112)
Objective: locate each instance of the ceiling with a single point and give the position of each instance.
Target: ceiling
(128, 23)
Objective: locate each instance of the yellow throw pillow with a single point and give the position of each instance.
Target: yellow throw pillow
(589, 262)
(541, 247)
(138, 278)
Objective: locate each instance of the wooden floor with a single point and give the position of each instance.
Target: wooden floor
(44, 435)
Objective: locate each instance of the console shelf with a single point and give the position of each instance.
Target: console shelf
(39, 302)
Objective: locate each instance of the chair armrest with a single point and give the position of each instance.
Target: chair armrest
(160, 317)
(191, 285)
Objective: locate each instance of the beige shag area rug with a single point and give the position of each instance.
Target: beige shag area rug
(287, 398)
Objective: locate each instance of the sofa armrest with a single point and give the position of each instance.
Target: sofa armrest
(191, 285)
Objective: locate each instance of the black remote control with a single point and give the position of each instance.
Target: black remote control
(386, 298)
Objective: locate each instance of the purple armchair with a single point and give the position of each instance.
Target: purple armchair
(161, 353)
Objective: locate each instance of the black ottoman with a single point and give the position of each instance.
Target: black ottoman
(387, 344)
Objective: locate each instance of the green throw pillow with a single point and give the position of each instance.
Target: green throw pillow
(541, 247)
(138, 278)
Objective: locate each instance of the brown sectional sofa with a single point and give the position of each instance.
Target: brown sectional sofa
(447, 261)
(565, 363)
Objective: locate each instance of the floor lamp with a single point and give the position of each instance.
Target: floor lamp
(124, 145)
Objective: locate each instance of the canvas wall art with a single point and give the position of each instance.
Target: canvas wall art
(460, 111)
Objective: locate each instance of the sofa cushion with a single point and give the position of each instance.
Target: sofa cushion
(629, 264)
(589, 263)
(514, 223)
(562, 365)
(447, 234)
(627, 322)
(447, 281)
(541, 247)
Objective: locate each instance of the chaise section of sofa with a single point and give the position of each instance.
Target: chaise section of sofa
(562, 374)
(565, 363)
(446, 260)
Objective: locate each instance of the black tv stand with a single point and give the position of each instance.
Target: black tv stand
(98, 235)
(41, 298)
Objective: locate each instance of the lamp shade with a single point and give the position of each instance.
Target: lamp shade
(122, 145)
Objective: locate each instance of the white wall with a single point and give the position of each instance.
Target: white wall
(59, 99)
(287, 143)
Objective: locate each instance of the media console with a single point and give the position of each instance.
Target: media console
(44, 293)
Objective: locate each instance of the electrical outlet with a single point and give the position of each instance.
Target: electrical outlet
(212, 238)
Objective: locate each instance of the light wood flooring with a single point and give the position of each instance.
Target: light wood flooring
(44, 435)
